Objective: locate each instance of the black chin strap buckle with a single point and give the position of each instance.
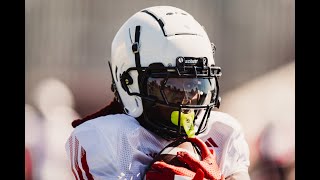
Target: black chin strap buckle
(135, 47)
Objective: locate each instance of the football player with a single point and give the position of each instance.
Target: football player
(166, 88)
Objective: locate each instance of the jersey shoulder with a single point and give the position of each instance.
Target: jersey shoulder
(221, 129)
(102, 133)
(225, 119)
(87, 145)
(108, 125)
(103, 130)
(227, 131)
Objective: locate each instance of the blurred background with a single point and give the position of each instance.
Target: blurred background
(68, 43)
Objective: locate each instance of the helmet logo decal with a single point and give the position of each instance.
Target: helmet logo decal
(180, 59)
(191, 61)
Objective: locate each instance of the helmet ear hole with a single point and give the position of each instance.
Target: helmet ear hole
(126, 80)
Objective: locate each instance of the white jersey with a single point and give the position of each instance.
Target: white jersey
(118, 147)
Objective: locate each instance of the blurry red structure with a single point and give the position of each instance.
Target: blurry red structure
(28, 164)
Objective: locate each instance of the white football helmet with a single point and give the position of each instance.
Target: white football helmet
(162, 65)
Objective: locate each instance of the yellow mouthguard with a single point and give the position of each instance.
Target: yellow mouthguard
(186, 120)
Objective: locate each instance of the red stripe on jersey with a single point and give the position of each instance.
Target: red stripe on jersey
(209, 145)
(85, 164)
(76, 159)
(71, 157)
(212, 142)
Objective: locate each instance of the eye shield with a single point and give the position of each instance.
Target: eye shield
(185, 91)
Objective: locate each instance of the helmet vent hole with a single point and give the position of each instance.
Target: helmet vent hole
(116, 73)
(136, 102)
(126, 110)
(170, 13)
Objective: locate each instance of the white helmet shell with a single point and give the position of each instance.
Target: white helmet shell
(165, 33)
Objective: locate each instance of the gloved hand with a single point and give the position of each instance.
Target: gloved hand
(206, 168)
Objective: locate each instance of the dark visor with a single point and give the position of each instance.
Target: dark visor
(186, 91)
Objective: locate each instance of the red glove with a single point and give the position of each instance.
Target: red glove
(207, 168)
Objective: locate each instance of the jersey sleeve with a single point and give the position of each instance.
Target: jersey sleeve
(90, 155)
